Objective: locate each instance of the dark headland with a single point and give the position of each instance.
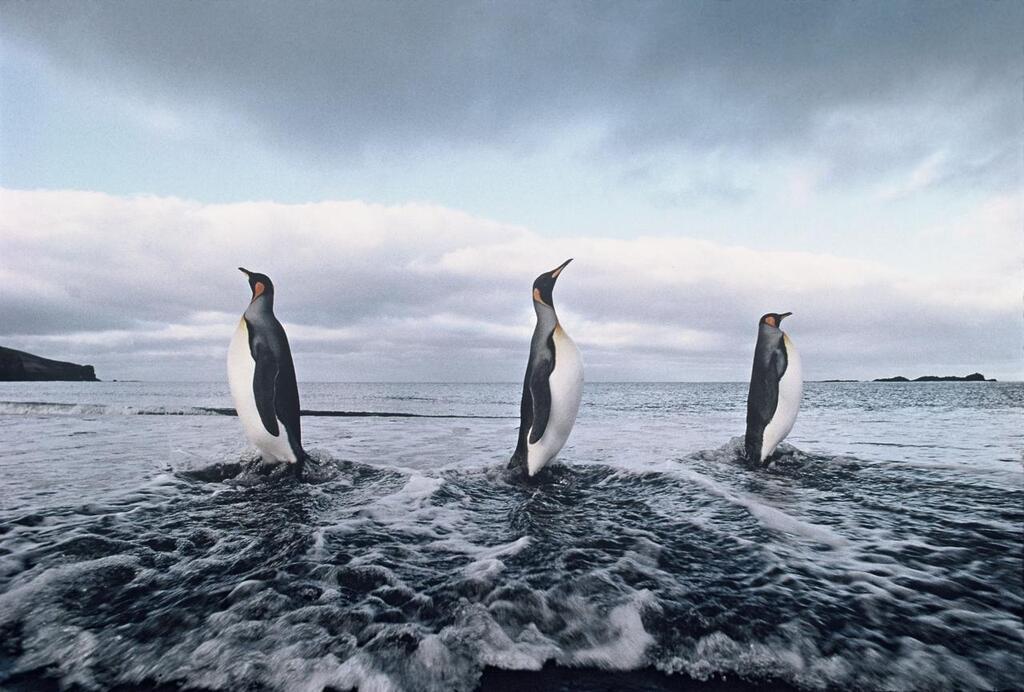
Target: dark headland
(973, 377)
(18, 366)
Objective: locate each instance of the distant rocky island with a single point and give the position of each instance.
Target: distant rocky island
(18, 366)
(973, 377)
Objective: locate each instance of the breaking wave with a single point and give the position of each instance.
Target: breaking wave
(816, 573)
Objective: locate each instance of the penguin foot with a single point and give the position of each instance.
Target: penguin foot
(546, 475)
(515, 462)
(262, 466)
(516, 472)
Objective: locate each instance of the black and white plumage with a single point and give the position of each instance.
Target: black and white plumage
(553, 385)
(262, 378)
(776, 387)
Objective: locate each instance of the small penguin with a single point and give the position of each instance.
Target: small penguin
(262, 378)
(776, 385)
(553, 385)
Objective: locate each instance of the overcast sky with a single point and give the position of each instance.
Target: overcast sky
(403, 170)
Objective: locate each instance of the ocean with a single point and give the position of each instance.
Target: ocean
(141, 545)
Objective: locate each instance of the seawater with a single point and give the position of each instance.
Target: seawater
(141, 544)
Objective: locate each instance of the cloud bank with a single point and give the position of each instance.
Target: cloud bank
(865, 89)
(147, 287)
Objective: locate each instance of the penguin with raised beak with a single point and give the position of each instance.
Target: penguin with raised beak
(553, 385)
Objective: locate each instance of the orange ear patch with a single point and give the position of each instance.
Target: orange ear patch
(770, 321)
(536, 295)
(258, 289)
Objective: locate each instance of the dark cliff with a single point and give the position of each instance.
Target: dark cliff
(18, 366)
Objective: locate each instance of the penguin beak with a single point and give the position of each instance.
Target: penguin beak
(556, 272)
(784, 315)
(245, 271)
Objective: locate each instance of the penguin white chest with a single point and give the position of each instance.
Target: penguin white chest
(241, 370)
(791, 389)
(566, 383)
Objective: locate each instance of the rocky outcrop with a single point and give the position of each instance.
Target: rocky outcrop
(18, 366)
(973, 377)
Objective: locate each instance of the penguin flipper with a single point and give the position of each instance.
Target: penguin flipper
(540, 394)
(264, 386)
(780, 362)
(286, 406)
(525, 421)
(763, 401)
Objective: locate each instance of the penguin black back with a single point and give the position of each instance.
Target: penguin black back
(770, 365)
(274, 386)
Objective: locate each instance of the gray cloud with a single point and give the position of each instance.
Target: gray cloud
(870, 86)
(422, 292)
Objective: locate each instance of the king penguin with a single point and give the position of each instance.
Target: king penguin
(262, 378)
(552, 387)
(776, 385)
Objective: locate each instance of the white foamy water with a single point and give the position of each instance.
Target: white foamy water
(882, 551)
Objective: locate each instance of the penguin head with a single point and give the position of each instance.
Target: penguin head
(545, 283)
(260, 284)
(774, 319)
